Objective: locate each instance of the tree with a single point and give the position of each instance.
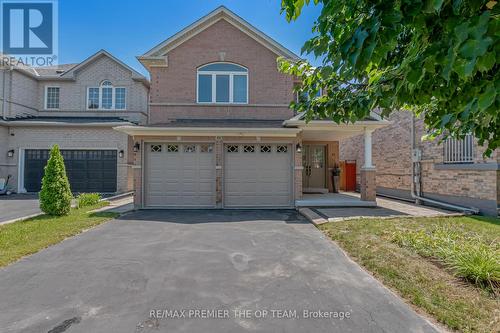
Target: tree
(55, 196)
(438, 58)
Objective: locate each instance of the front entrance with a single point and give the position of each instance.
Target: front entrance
(314, 174)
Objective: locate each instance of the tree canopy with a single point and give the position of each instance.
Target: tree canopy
(438, 58)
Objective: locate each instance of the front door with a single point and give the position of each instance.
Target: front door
(313, 176)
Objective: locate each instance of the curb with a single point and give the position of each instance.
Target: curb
(313, 217)
(118, 196)
(17, 219)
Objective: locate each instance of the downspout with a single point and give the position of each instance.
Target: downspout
(416, 180)
(4, 102)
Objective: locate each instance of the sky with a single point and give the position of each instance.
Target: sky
(130, 28)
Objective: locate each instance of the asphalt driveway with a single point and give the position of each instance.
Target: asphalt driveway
(18, 205)
(112, 279)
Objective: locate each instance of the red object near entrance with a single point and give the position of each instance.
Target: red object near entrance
(350, 175)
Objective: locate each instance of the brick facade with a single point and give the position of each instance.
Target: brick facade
(21, 138)
(173, 88)
(368, 184)
(25, 95)
(392, 157)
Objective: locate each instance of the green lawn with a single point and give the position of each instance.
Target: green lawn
(26, 237)
(425, 261)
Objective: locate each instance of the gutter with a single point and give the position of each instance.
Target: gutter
(322, 125)
(52, 123)
(417, 196)
(208, 131)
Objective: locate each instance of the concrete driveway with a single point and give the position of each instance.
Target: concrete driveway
(243, 263)
(18, 205)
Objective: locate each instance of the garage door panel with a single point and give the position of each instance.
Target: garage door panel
(87, 170)
(185, 178)
(255, 178)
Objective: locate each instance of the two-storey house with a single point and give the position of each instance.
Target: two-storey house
(220, 133)
(75, 106)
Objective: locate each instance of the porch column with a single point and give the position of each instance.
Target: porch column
(367, 181)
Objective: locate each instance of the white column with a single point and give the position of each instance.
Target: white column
(368, 149)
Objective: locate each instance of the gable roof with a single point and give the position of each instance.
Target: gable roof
(158, 52)
(103, 53)
(68, 71)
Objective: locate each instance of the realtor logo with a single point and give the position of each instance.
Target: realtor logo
(29, 28)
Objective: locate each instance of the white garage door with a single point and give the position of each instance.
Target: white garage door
(258, 175)
(180, 175)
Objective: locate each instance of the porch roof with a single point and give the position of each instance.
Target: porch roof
(328, 130)
(159, 131)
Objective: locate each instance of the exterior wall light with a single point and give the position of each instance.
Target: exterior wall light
(137, 147)
(10, 153)
(121, 153)
(298, 148)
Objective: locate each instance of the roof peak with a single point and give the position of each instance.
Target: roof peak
(219, 13)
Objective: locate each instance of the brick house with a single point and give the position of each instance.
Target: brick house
(75, 106)
(453, 172)
(220, 133)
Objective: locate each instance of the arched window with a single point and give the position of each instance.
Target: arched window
(106, 97)
(222, 82)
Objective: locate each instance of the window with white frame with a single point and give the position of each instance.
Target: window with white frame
(222, 83)
(52, 98)
(106, 97)
(459, 150)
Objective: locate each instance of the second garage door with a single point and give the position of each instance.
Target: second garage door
(258, 175)
(180, 175)
(87, 170)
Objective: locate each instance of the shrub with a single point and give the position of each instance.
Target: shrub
(88, 199)
(55, 196)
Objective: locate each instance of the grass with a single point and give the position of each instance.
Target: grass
(466, 253)
(421, 272)
(26, 237)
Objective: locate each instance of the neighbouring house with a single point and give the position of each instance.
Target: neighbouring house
(453, 171)
(220, 133)
(75, 106)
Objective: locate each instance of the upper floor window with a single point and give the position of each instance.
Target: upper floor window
(459, 151)
(222, 83)
(52, 98)
(106, 97)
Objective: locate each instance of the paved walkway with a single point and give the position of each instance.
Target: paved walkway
(18, 206)
(386, 208)
(243, 263)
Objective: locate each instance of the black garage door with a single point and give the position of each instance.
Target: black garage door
(87, 170)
